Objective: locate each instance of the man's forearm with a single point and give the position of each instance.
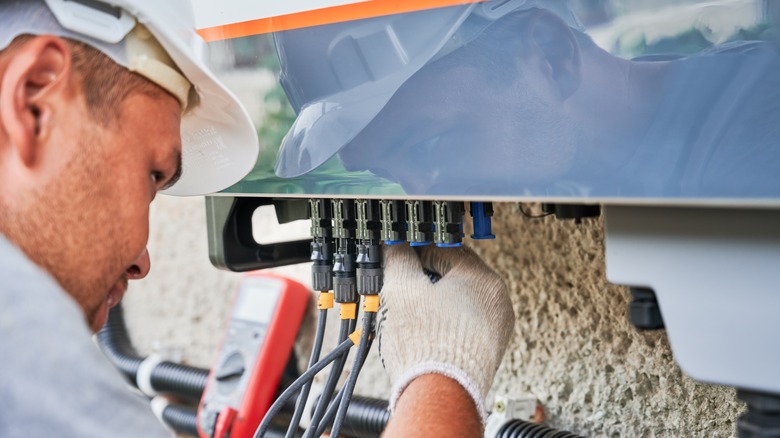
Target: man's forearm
(434, 406)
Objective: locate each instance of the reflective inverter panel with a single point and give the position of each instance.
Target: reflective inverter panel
(649, 102)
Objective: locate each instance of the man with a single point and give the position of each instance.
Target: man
(85, 144)
(530, 105)
(98, 102)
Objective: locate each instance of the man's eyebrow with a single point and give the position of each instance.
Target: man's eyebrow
(176, 175)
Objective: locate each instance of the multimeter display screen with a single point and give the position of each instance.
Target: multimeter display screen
(256, 300)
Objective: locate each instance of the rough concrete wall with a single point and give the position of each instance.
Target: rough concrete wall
(573, 347)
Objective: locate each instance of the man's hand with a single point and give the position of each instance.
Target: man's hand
(457, 327)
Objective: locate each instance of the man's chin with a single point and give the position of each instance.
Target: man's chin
(98, 317)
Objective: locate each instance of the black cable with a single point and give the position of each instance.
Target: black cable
(366, 417)
(181, 380)
(433, 276)
(525, 429)
(115, 342)
(347, 327)
(182, 419)
(349, 387)
(166, 377)
(334, 404)
(352, 325)
(327, 419)
(315, 356)
(293, 389)
(327, 405)
(531, 216)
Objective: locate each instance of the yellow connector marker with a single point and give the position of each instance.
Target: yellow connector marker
(355, 336)
(371, 303)
(325, 300)
(348, 311)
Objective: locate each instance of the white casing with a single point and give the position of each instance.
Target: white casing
(715, 275)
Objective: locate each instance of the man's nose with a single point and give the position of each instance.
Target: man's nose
(140, 267)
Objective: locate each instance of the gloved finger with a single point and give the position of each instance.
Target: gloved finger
(445, 260)
(400, 261)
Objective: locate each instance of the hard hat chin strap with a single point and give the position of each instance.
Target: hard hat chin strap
(148, 58)
(115, 26)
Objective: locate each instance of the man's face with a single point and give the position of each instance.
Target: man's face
(469, 123)
(76, 187)
(97, 209)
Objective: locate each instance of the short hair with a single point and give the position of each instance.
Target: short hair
(105, 84)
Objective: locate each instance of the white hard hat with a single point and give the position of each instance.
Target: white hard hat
(338, 77)
(157, 40)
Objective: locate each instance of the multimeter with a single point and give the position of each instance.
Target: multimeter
(258, 339)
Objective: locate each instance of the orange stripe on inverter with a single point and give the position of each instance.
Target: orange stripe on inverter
(334, 14)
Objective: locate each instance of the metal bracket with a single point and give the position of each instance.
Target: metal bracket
(715, 273)
(231, 243)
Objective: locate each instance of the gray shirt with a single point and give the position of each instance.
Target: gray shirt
(54, 381)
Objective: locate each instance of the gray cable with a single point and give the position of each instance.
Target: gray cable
(347, 327)
(349, 387)
(340, 350)
(315, 356)
(328, 418)
(334, 404)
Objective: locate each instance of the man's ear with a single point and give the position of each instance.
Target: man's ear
(555, 41)
(36, 72)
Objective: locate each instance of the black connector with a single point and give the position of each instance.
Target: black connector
(577, 212)
(643, 311)
(369, 250)
(344, 263)
(370, 276)
(322, 247)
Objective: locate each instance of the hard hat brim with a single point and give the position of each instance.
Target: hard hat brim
(219, 140)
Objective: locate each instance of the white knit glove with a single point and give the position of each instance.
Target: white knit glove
(458, 327)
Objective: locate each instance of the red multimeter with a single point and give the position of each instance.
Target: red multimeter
(258, 339)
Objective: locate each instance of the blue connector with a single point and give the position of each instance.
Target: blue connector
(449, 245)
(419, 243)
(481, 214)
(394, 242)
